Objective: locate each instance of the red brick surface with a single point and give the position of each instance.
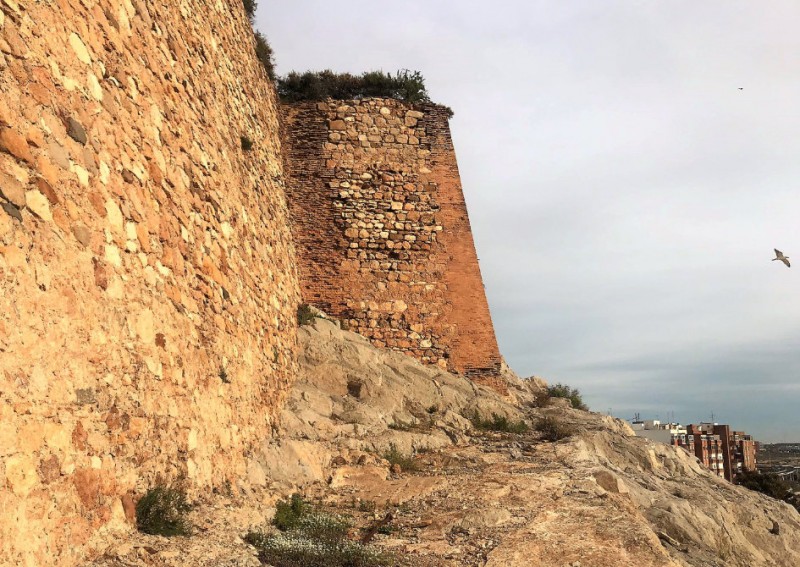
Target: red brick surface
(382, 230)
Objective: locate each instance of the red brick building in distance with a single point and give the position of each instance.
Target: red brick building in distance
(744, 453)
(726, 452)
(381, 228)
(707, 447)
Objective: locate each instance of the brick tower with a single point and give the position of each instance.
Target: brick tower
(382, 232)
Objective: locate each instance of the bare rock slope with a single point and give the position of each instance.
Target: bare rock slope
(601, 497)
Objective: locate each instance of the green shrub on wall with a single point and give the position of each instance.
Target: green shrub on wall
(408, 86)
(265, 54)
(250, 9)
(264, 51)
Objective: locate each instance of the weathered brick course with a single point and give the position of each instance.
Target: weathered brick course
(381, 225)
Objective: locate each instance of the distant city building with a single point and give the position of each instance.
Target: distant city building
(725, 452)
(744, 458)
(738, 449)
(708, 447)
(667, 433)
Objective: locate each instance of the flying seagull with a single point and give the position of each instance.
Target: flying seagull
(779, 256)
(741, 88)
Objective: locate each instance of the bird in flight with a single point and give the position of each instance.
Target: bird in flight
(779, 256)
(741, 88)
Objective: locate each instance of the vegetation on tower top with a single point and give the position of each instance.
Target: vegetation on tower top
(405, 85)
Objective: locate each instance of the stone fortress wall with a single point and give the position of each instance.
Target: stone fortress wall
(148, 276)
(382, 231)
(148, 288)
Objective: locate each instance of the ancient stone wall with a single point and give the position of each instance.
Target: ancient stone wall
(147, 275)
(382, 231)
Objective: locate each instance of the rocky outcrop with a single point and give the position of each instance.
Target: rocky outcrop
(599, 498)
(355, 398)
(147, 274)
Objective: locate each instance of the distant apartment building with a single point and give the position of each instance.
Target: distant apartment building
(708, 447)
(738, 448)
(726, 452)
(744, 456)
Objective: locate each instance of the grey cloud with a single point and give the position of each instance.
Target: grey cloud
(625, 195)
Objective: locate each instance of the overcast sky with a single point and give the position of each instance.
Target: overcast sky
(625, 195)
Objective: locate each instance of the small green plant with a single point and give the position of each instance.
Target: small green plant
(311, 538)
(572, 394)
(397, 457)
(498, 423)
(250, 9)
(162, 511)
(295, 550)
(296, 514)
(255, 538)
(223, 375)
(367, 506)
(247, 143)
(323, 527)
(288, 513)
(265, 54)
(553, 429)
(305, 315)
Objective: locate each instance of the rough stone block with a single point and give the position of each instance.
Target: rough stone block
(12, 190)
(21, 474)
(12, 143)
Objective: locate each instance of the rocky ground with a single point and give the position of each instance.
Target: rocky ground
(601, 497)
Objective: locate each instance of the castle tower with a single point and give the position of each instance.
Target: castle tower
(382, 230)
